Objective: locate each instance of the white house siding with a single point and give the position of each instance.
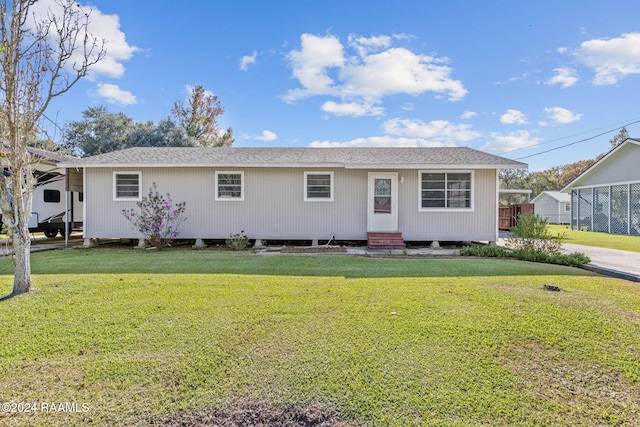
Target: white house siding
(621, 167)
(607, 198)
(479, 224)
(274, 206)
(551, 209)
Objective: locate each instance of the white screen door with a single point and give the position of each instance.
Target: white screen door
(382, 211)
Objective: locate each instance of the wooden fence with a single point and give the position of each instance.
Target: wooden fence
(508, 214)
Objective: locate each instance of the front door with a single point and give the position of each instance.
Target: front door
(382, 211)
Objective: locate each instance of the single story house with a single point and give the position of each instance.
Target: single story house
(554, 206)
(420, 194)
(606, 197)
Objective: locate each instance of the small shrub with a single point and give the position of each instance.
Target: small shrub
(531, 234)
(158, 220)
(572, 260)
(575, 259)
(486, 251)
(238, 241)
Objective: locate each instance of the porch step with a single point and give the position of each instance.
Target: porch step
(379, 240)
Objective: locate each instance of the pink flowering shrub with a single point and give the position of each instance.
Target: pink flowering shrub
(158, 220)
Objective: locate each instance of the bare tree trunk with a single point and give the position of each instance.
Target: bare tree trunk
(22, 259)
(41, 57)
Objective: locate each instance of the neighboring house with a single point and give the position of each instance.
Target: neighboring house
(553, 206)
(606, 197)
(426, 194)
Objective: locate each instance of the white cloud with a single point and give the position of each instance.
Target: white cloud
(247, 60)
(513, 117)
(565, 77)
(505, 143)
(562, 115)
(114, 95)
(365, 45)
(522, 76)
(102, 27)
(398, 70)
(310, 65)
(468, 115)
(436, 130)
(375, 70)
(411, 133)
(266, 136)
(612, 59)
(351, 109)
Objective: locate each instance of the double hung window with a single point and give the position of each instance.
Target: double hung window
(318, 186)
(446, 190)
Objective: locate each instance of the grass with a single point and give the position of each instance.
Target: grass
(143, 337)
(601, 240)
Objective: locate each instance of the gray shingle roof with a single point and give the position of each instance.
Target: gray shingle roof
(560, 197)
(352, 157)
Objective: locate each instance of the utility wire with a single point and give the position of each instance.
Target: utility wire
(576, 142)
(569, 136)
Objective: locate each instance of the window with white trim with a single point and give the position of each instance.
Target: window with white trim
(126, 185)
(446, 190)
(230, 186)
(318, 186)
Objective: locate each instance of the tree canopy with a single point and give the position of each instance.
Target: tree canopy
(101, 131)
(619, 138)
(199, 118)
(196, 124)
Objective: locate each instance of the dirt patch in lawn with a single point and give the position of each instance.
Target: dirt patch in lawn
(241, 413)
(585, 393)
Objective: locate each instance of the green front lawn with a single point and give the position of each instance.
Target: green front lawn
(143, 337)
(602, 240)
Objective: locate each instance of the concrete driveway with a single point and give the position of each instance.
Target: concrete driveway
(610, 262)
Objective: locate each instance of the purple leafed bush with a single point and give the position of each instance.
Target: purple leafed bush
(158, 219)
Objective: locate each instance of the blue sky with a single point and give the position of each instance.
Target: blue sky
(512, 78)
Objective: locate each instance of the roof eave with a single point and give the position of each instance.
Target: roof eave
(435, 166)
(76, 165)
(597, 164)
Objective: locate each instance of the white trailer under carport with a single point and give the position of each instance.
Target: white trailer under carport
(57, 198)
(54, 209)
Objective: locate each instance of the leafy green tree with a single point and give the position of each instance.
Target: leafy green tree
(514, 179)
(199, 118)
(545, 180)
(101, 131)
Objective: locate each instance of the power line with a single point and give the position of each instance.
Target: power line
(576, 142)
(569, 136)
